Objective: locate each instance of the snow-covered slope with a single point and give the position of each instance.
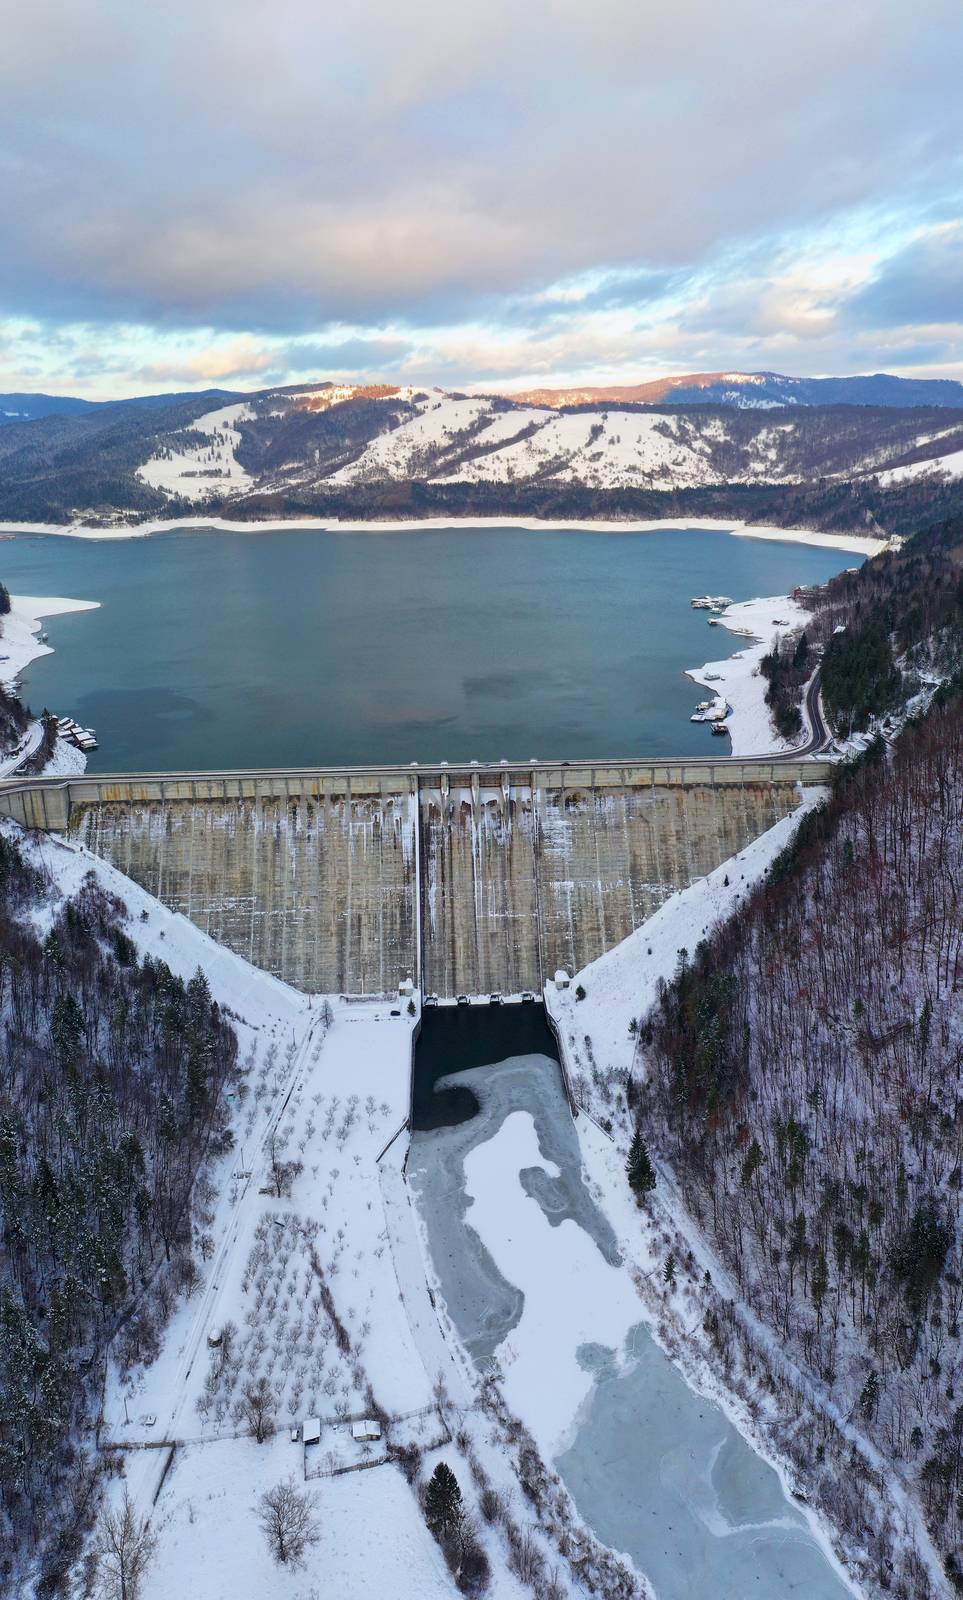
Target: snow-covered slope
(320, 1291)
(336, 446)
(607, 451)
(196, 471)
(948, 466)
(346, 437)
(442, 424)
(452, 439)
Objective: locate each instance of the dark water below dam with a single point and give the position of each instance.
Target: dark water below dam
(293, 649)
(458, 1039)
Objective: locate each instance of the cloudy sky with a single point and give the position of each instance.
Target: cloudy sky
(476, 192)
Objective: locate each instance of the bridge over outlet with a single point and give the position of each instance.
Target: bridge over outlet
(470, 879)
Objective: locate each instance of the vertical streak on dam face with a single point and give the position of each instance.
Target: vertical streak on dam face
(316, 877)
(553, 877)
(480, 923)
(315, 886)
(613, 855)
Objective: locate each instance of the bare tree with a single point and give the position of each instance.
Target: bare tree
(286, 1516)
(125, 1546)
(256, 1408)
(283, 1173)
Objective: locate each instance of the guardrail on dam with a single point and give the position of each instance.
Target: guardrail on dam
(470, 879)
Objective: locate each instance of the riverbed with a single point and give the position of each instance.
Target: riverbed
(219, 649)
(529, 1270)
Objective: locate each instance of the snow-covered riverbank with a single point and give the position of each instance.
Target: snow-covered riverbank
(857, 543)
(737, 679)
(600, 1037)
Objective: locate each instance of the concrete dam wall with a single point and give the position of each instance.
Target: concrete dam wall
(519, 885)
(469, 881)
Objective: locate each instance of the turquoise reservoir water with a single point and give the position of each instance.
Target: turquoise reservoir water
(297, 648)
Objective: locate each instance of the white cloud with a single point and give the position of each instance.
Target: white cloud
(467, 177)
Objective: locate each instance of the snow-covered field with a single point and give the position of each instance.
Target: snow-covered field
(321, 1292)
(610, 450)
(948, 466)
(197, 471)
(373, 1539)
(442, 424)
(331, 1083)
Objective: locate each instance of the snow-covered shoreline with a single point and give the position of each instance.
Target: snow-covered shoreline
(857, 543)
(20, 643)
(737, 678)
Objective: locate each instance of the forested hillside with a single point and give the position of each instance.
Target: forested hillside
(111, 1078)
(802, 1074)
(353, 451)
(892, 627)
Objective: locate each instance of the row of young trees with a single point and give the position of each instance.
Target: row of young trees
(111, 1079)
(804, 1077)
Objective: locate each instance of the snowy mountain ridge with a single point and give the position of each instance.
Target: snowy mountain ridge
(282, 441)
(753, 389)
(357, 449)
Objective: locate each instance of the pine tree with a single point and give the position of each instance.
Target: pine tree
(443, 1500)
(869, 1398)
(639, 1169)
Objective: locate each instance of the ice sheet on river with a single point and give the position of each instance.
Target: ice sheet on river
(529, 1269)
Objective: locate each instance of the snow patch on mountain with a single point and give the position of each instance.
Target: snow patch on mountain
(199, 471)
(444, 423)
(948, 466)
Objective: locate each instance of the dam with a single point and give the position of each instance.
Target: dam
(469, 880)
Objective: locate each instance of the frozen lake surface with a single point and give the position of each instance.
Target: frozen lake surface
(656, 1471)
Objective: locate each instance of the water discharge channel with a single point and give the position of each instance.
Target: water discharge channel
(531, 1274)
